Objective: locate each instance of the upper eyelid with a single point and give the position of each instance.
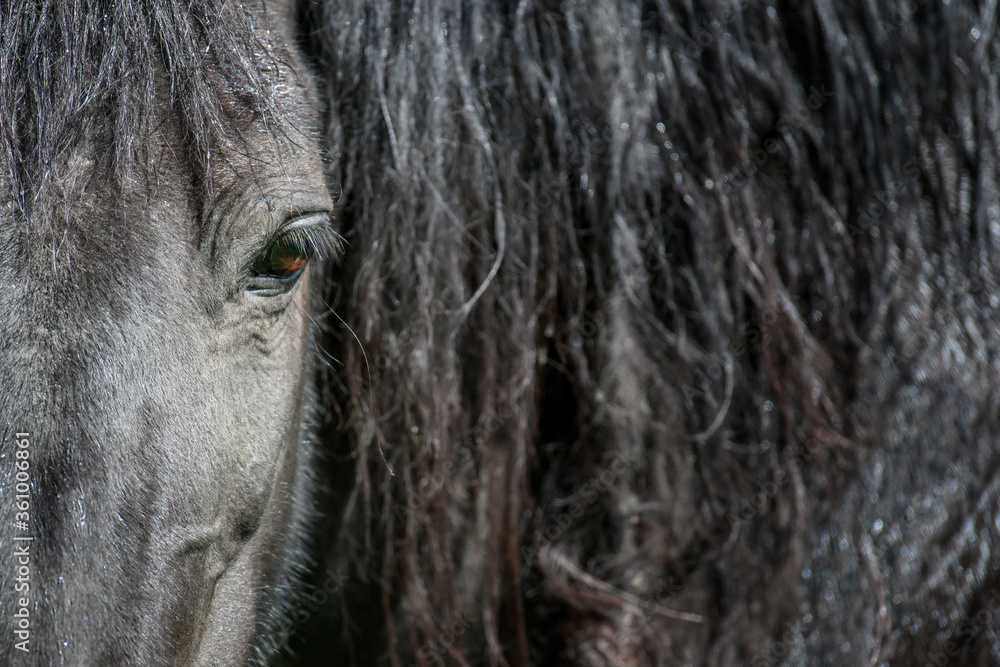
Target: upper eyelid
(317, 227)
(312, 220)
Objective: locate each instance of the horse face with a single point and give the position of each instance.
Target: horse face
(154, 338)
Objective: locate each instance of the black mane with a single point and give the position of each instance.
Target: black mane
(70, 69)
(709, 250)
(677, 320)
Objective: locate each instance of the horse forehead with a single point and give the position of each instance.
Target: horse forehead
(85, 253)
(84, 233)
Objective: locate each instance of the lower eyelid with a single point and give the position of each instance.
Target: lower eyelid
(275, 286)
(311, 234)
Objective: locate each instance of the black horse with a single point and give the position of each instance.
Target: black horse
(164, 199)
(664, 334)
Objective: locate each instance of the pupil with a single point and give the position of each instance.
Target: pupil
(283, 260)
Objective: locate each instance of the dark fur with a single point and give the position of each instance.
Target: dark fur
(151, 152)
(65, 66)
(665, 308)
(818, 210)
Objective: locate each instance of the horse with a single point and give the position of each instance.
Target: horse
(164, 210)
(645, 332)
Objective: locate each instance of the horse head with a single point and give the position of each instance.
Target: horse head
(165, 212)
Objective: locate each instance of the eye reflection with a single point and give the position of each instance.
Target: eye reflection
(284, 260)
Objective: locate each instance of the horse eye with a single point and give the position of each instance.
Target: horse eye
(284, 260)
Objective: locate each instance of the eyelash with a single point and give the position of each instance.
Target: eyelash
(288, 254)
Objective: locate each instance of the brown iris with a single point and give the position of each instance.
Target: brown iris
(284, 260)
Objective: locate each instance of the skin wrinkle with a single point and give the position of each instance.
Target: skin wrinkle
(166, 405)
(675, 330)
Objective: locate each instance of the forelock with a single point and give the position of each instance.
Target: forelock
(70, 68)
